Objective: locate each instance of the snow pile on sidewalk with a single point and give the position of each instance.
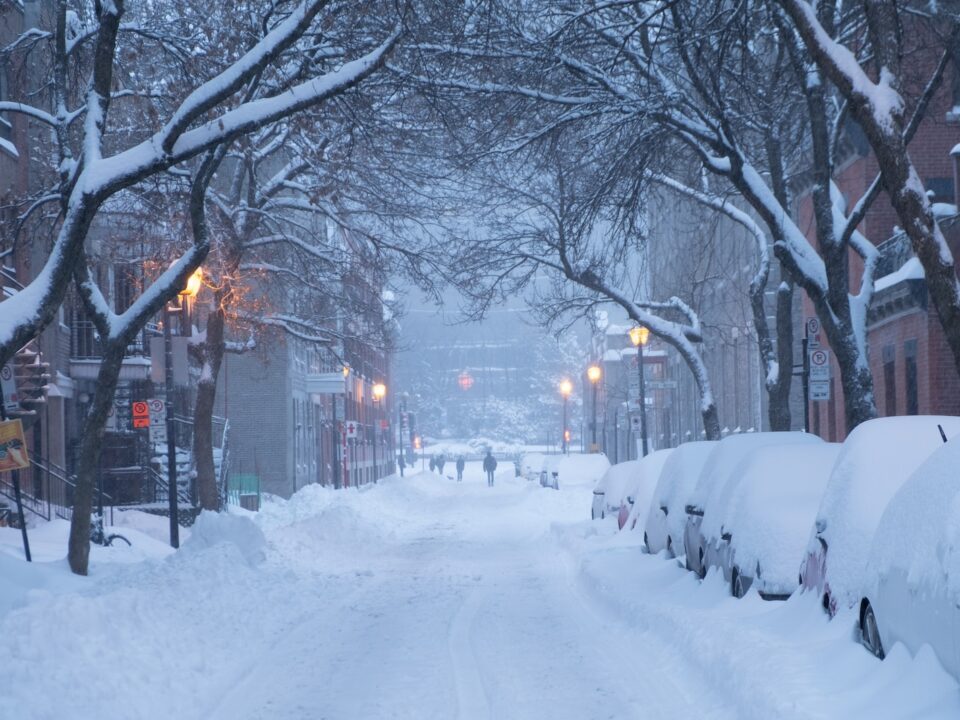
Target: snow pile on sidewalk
(211, 529)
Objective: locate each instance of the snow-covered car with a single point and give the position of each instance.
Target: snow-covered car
(666, 519)
(550, 471)
(913, 570)
(625, 485)
(717, 472)
(532, 465)
(759, 526)
(874, 462)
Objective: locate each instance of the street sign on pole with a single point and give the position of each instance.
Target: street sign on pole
(10, 399)
(141, 414)
(820, 390)
(158, 415)
(352, 429)
(819, 365)
(813, 331)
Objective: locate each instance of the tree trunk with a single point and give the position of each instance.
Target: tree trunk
(711, 420)
(779, 392)
(213, 351)
(91, 439)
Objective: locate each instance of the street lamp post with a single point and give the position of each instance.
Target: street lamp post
(639, 336)
(566, 387)
(379, 392)
(593, 374)
(190, 291)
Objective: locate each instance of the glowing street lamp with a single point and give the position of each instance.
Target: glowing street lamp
(379, 393)
(566, 387)
(639, 336)
(189, 291)
(593, 375)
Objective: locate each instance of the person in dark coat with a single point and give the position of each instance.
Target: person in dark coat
(441, 461)
(490, 465)
(460, 465)
(433, 463)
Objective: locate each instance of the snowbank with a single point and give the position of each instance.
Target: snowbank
(212, 529)
(875, 461)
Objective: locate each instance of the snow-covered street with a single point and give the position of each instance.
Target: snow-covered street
(427, 598)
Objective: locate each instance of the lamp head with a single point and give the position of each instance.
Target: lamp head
(639, 335)
(379, 391)
(593, 373)
(194, 283)
(566, 387)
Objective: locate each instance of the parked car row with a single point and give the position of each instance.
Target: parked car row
(872, 523)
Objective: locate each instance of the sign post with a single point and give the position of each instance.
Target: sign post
(156, 410)
(13, 457)
(819, 374)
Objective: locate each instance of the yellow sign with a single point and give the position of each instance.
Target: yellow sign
(13, 448)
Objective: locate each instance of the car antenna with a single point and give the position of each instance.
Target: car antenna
(942, 433)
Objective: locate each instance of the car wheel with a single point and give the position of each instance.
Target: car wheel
(869, 633)
(646, 542)
(593, 514)
(603, 514)
(703, 568)
(736, 584)
(670, 546)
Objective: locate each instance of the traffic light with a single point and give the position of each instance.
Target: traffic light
(416, 442)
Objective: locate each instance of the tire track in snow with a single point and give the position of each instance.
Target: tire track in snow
(472, 700)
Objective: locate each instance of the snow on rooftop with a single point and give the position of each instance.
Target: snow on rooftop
(910, 270)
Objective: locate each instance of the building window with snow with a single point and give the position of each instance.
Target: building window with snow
(890, 379)
(910, 372)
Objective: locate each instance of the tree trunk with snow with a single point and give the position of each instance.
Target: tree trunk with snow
(88, 463)
(213, 349)
(880, 111)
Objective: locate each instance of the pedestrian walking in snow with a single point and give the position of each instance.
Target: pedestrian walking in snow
(460, 465)
(489, 464)
(441, 461)
(433, 463)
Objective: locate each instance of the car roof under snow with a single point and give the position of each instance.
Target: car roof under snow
(876, 460)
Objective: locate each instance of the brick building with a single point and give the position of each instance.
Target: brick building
(912, 366)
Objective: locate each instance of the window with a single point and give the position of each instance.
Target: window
(890, 380)
(942, 189)
(910, 372)
(6, 128)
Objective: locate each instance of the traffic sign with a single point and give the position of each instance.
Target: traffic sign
(813, 331)
(10, 400)
(158, 420)
(141, 414)
(352, 428)
(820, 390)
(819, 365)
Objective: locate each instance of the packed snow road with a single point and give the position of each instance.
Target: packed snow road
(426, 598)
